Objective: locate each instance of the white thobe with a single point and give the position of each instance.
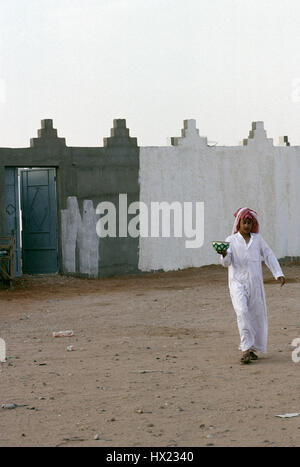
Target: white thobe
(247, 289)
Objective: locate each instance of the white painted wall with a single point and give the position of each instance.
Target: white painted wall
(258, 174)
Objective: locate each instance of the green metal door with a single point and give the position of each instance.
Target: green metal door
(39, 221)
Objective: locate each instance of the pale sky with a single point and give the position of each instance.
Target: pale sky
(155, 63)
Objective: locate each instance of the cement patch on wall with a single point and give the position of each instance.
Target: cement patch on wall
(79, 238)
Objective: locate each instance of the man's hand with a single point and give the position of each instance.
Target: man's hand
(281, 279)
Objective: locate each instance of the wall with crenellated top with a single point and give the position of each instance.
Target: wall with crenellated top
(256, 174)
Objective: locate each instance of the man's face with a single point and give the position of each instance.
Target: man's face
(245, 225)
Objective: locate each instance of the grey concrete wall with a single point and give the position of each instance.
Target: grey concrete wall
(255, 173)
(85, 177)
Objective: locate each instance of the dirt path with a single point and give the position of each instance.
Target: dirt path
(156, 363)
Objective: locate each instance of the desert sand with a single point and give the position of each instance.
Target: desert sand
(155, 362)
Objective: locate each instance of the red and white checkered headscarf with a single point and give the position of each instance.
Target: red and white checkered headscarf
(243, 213)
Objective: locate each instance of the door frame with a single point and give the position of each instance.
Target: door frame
(18, 232)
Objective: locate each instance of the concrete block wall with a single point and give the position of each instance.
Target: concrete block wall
(86, 176)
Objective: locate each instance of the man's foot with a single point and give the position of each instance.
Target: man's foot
(246, 358)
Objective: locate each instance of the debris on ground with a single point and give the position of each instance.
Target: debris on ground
(288, 415)
(68, 333)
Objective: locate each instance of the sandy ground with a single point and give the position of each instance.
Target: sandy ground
(156, 363)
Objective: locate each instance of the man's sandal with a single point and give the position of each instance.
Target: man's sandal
(246, 358)
(253, 356)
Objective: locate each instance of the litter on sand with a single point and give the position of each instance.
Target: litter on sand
(63, 333)
(12, 406)
(288, 415)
